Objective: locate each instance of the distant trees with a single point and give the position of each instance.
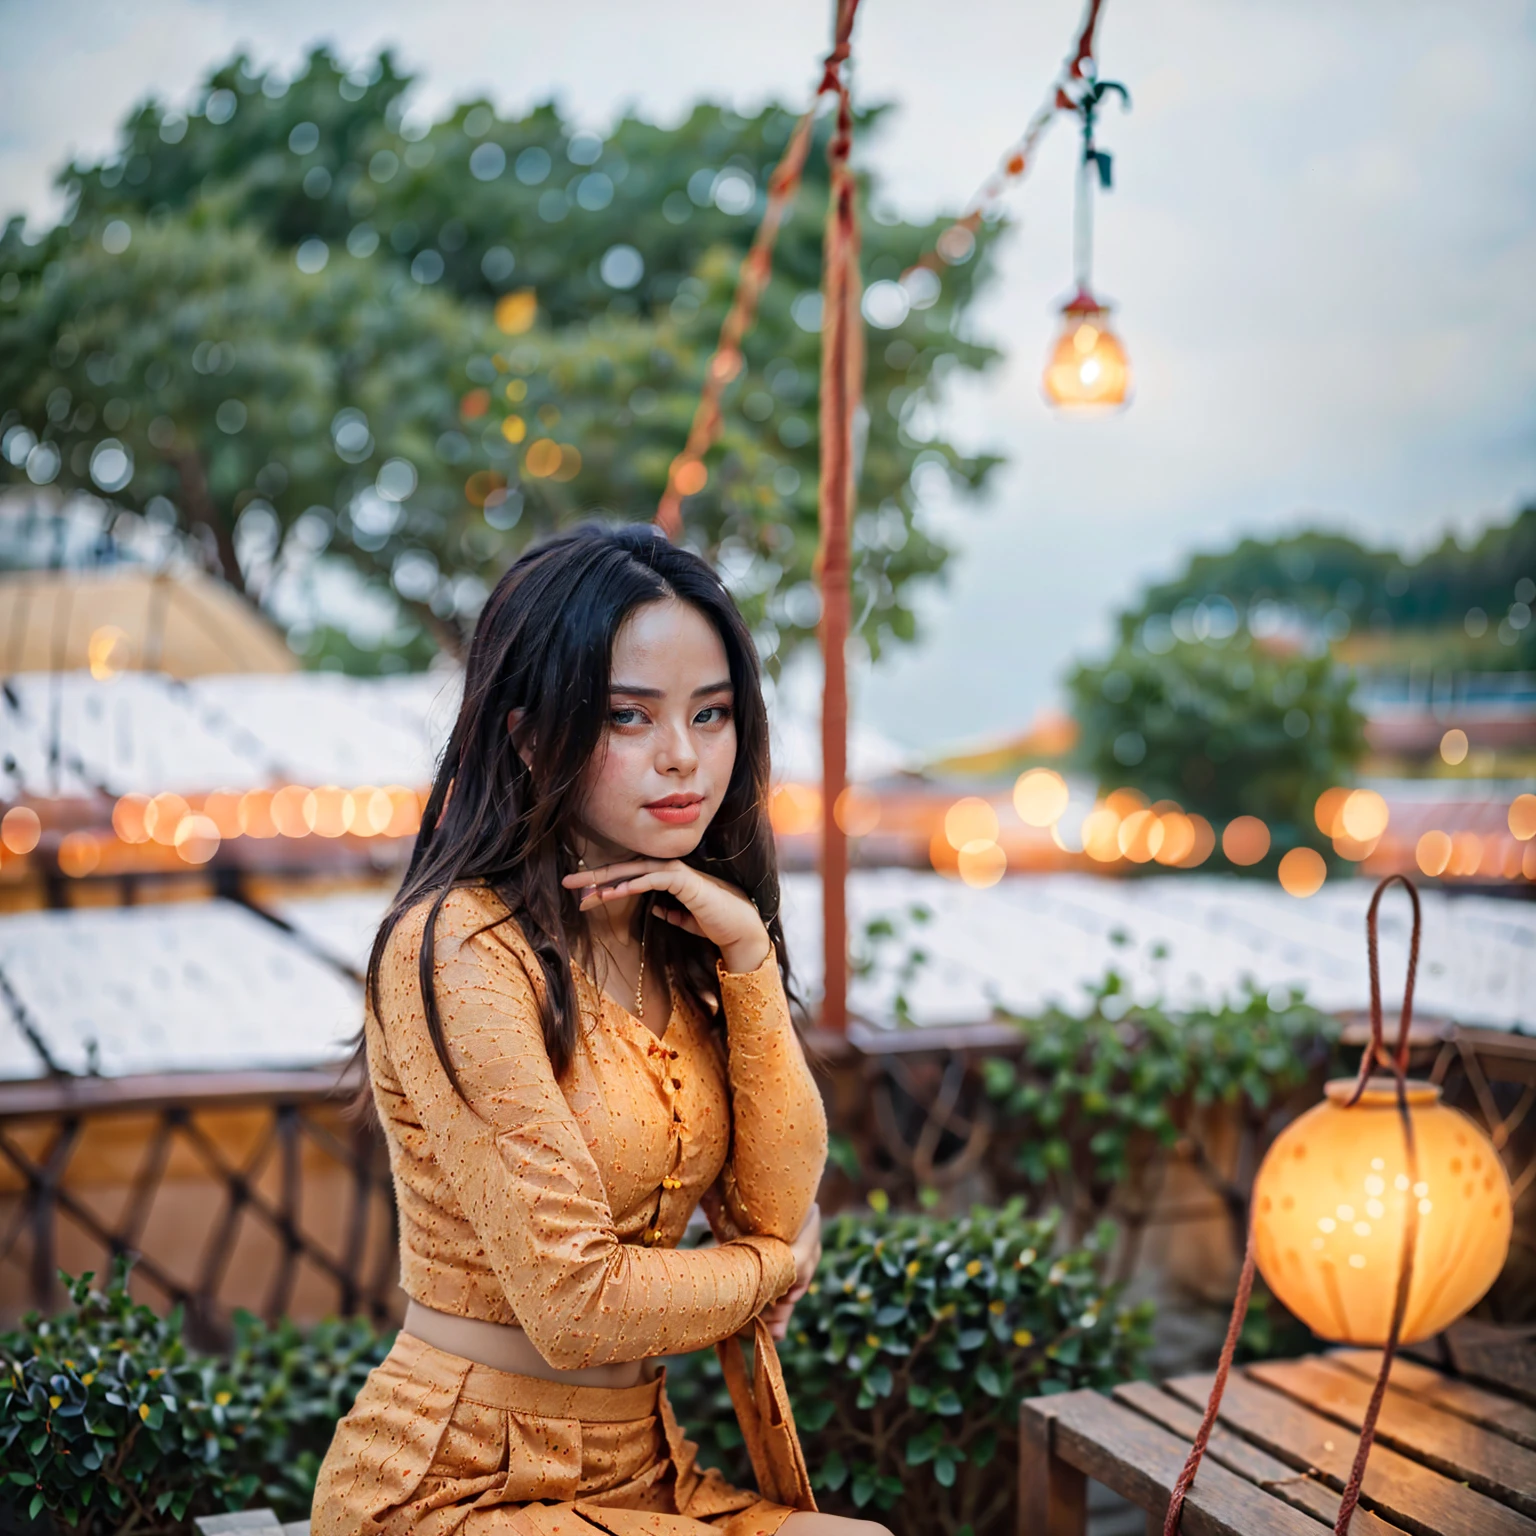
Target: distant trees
(320, 329)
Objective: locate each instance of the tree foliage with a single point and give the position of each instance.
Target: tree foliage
(518, 310)
(1229, 727)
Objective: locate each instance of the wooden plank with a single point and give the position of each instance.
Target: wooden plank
(1053, 1496)
(1498, 1357)
(1490, 1409)
(1141, 1462)
(1407, 1493)
(1449, 1444)
(1298, 1489)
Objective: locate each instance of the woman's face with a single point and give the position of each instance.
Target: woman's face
(665, 760)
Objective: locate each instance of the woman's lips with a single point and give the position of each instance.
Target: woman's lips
(679, 811)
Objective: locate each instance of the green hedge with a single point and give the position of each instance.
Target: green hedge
(906, 1365)
(907, 1362)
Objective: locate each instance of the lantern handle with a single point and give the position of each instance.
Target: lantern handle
(1375, 1052)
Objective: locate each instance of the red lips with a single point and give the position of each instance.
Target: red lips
(676, 810)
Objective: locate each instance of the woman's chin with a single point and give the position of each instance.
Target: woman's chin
(661, 842)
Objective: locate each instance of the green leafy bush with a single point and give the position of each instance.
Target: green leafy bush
(107, 1423)
(1091, 1093)
(907, 1361)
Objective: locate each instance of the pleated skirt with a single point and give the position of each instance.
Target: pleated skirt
(437, 1444)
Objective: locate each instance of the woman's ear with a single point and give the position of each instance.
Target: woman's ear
(524, 747)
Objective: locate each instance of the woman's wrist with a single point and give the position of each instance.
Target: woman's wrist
(743, 956)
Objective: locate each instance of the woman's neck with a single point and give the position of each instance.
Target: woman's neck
(613, 922)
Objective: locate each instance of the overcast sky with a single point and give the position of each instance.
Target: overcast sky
(1322, 244)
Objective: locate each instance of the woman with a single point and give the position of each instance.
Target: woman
(576, 1033)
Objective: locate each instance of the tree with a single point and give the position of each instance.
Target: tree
(1225, 725)
(521, 311)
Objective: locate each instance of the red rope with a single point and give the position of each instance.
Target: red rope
(687, 475)
(1398, 1062)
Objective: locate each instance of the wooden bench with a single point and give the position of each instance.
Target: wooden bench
(1453, 1456)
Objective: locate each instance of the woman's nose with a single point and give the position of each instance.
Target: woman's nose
(677, 753)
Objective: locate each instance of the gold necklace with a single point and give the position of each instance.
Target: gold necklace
(645, 919)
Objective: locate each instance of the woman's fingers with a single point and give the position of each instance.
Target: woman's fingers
(607, 874)
(684, 920)
(666, 878)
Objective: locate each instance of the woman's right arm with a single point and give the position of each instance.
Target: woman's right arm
(525, 1178)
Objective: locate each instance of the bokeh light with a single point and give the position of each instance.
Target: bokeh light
(1101, 835)
(542, 458)
(1453, 746)
(334, 809)
(79, 854)
(107, 652)
(856, 811)
(1522, 817)
(256, 814)
(794, 809)
(1466, 854)
(969, 820)
(1245, 840)
(1205, 843)
(516, 311)
(222, 808)
(405, 819)
(1365, 815)
(20, 829)
(690, 477)
(371, 811)
(1432, 853)
(1178, 839)
(163, 815)
(293, 810)
(1329, 808)
(128, 818)
(1088, 369)
(1302, 872)
(197, 839)
(981, 863)
(1040, 796)
(1140, 836)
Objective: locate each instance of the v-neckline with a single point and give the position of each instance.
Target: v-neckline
(604, 998)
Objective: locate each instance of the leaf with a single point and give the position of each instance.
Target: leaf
(947, 1403)
(834, 1471)
(988, 1380)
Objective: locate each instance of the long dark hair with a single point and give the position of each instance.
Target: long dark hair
(543, 646)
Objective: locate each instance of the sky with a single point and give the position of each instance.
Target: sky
(1321, 246)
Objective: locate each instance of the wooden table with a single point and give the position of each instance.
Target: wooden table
(1453, 1456)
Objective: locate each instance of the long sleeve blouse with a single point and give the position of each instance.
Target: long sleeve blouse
(557, 1203)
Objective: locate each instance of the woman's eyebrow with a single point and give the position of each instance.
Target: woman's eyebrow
(659, 693)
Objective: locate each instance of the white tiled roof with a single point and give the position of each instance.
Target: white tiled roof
(190, 987)
(185, 987)
(142, 731)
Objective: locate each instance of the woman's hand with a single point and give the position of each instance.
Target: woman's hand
(807, 1251)
(713, 910)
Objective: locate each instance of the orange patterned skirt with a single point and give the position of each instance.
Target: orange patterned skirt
(437, 1444)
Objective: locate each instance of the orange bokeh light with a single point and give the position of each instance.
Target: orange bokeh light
(1140, 836)
(128, 818)
(79, 854)
(222, 808)
(1302, 872)
(981, 863)
(1245, 840)
(1433, 852)
(405, 815)
(256, 813)
(163, 815)
(690, 477)
(542, 458)
(1330, 806)
(197, 839)
(293, 810)
(1040, 796)
(1365, 816)
(334, 809)
(516, 311)
(1101, 835)
(20, 829)
(371, 811)
(969, 820)
(1178, 840)
(794, 809)
(1123, 801)
(1522, 817)
(856, 811)
(1205, 843)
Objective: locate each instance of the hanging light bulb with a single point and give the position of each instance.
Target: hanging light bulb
(1088, 369)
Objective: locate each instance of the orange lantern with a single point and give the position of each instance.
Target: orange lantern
(1088, 369)
(1331, 1200)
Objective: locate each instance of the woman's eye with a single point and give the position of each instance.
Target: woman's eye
(716, 714)
(626, 717)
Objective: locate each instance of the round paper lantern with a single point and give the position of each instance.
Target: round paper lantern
(1331, 1198)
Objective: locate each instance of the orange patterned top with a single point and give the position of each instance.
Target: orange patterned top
(557, 1204)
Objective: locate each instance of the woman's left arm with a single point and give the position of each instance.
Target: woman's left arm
(779, 1137)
